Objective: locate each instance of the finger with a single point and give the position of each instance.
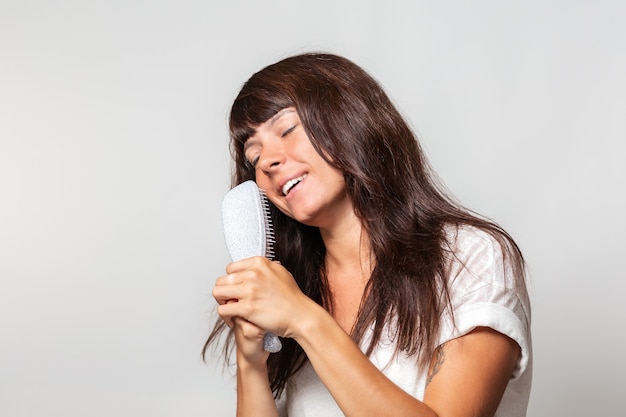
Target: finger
(248, 329)
(229, 322)
(230, 279)
(246, 263)
(221, 301)
(226, 293)
(221, 280)
(230, 309)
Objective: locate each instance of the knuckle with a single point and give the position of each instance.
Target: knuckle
(259, 261)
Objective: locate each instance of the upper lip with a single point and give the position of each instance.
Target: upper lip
(285, 180)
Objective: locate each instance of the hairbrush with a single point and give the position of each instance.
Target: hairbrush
(248, 232)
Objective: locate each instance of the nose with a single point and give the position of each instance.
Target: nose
(272, 157)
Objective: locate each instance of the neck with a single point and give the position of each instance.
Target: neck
(347, 248)
(349, 265)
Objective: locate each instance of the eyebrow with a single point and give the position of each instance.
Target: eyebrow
(270, 122)
(280, 114)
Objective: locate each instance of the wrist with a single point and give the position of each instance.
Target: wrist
(309, 323)
(252, 371)
(247, 364)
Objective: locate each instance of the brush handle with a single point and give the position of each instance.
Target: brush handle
(271, 343)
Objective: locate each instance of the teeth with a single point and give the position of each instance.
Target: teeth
(291, 183)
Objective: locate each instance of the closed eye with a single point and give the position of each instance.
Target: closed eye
(252, 159)
(251, 152)
(288, 131)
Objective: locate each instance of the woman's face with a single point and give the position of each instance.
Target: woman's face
(293, 175)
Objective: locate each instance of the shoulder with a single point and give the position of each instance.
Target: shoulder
(465, 239)
(477, 258)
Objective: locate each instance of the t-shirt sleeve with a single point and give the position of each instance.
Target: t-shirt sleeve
(484, 292)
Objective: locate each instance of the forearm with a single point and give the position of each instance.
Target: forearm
(358, 387)
(254, 396)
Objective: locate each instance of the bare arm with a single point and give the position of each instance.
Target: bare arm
(254, 396)
(468, 374)
(358, 387)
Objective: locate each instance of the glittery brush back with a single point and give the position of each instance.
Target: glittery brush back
(248, 232)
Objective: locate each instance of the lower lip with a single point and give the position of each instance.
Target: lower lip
(294, 189)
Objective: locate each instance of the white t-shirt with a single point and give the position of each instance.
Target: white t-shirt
(483, 293)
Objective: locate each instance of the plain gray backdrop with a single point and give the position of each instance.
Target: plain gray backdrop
(114, 161)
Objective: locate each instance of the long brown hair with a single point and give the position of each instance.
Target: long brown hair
(400, 202)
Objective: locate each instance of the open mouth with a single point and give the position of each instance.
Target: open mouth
(292, 183)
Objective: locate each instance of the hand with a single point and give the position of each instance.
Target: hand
(263, 293)
(249, 340)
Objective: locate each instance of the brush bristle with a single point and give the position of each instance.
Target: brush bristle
(269, 230)
(271, 342)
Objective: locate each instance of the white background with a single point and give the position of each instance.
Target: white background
(113, 163)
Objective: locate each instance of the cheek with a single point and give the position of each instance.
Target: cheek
(265, 184)
(262, 182)
(280, 205)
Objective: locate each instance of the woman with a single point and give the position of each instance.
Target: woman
(391, 298)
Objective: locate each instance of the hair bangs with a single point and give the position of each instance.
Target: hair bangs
(254, 105)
